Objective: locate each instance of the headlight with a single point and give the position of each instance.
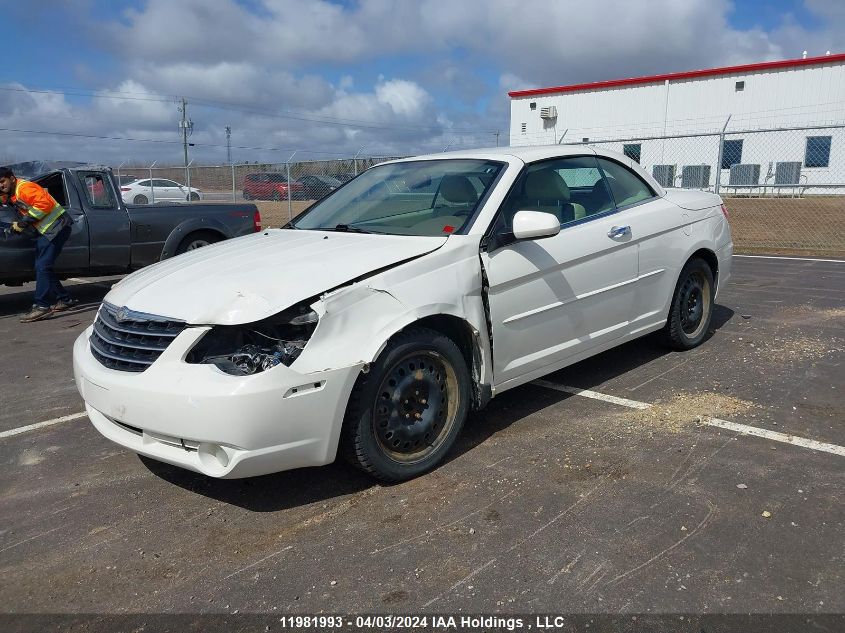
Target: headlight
(242, 350)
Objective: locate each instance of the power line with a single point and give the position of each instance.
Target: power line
(283, 114)
(174, 142)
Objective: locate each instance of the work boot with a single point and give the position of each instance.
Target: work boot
(61, 306)
(35, 314)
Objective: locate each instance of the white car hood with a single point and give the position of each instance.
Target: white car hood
(253, 277)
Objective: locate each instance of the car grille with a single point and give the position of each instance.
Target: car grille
(131, 341)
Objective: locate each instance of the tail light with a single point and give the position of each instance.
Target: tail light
(125, 189)
(256, 221)
(725, 212)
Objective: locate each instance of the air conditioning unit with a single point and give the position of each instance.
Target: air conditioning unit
(788, 173)
(664, 175)
(744, 175)
(549, 112)
(695, 176)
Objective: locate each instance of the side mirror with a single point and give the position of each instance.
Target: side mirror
(533, 225)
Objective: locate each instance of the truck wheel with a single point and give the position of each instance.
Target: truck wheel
(692, 306)
(247, 196)
(404, 414)
(276, 197)
(197, 240)
(140, 199)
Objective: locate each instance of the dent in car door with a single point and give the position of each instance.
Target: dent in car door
(553, 298)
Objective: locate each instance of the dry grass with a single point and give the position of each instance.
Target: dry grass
(814, 225)
(275, 214)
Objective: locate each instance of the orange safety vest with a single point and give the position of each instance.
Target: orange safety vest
(37, 203)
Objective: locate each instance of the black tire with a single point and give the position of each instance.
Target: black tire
(140, 199)
(692, 306)
(196, 240)
(276, 197)
(390, 430)
(193, 196)
(247, 196)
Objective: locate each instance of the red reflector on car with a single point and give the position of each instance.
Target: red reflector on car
(725, 211)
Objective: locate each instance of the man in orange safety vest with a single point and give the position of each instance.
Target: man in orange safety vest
(45, 221)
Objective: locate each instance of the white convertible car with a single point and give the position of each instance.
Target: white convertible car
(373, 323)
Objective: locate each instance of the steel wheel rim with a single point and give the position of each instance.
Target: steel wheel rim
(416, 407)
(695, 304)
(196, 244)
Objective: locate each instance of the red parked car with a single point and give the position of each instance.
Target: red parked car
(270, 185)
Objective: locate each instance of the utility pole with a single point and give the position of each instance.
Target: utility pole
(497, 138)
(187, 127)
(229, 144)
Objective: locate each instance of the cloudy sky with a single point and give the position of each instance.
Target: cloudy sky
(328, 79)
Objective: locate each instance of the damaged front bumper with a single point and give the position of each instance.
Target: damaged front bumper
(197, 417)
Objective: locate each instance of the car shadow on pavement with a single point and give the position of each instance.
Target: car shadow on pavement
(280, 491)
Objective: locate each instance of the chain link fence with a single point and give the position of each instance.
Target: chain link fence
(281, 191)
(784, 187)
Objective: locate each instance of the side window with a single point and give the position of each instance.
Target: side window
(626, 186)
(570, 188)
(142, 183)
(97, 192)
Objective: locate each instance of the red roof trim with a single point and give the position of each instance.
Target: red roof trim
(690, 74)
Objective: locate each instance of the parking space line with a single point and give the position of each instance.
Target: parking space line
(744, 429)
(38, 425)
(777, 437)
(797, 259)
(595, 395)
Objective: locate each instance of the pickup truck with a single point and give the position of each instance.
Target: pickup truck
(111, 237)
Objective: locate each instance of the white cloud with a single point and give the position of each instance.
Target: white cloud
(288, 56)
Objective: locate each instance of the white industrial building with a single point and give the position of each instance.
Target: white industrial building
(783, 122)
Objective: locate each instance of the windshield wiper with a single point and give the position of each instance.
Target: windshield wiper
(348, 228)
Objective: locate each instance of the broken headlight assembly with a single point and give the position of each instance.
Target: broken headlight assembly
(243, 350)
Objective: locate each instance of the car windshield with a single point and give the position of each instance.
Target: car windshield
(425, 197)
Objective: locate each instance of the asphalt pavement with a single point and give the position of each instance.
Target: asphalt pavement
(551, 502)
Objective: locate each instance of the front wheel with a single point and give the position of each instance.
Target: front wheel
(692, 306)
(139, 199)
(406, 412)
(194, 196)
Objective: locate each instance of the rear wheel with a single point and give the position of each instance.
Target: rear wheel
(194, 196)
(140, 199)
(406, 412)
(197, 240)
(692, 306)
(277, 197)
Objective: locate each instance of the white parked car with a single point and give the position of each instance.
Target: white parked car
(378, 319)
(150, 190)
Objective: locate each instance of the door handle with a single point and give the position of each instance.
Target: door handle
(619, 231)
